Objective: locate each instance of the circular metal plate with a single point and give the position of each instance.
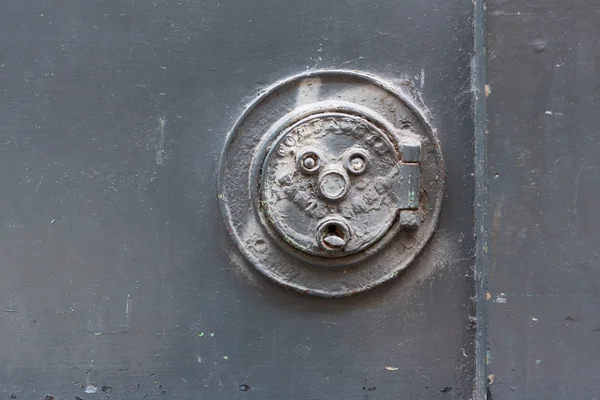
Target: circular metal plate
(297, 201)
(317, 183)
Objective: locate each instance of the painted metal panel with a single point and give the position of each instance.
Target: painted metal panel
(118, 278)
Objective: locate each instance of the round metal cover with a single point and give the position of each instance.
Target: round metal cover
(331, 183)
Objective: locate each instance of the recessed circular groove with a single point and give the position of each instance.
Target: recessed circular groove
(333, 235)
(356, 161)
(309, 160)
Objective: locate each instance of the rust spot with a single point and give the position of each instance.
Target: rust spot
(488, 90)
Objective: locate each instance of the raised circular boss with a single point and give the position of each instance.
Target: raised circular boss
(340, 191)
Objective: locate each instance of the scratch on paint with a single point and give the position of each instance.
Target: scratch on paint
(576, 192)
(161, 141)
(128, 310)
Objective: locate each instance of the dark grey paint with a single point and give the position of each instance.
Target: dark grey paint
(114, 257)
(544, 168)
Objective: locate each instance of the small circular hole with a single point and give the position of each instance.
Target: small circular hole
(333, 236)
(356, 161)
(309, 161)
(336, 230)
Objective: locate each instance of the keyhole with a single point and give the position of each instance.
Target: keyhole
(333, 236)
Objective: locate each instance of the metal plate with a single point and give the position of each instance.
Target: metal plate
(116, 265)
(326, 170)
(543, 212)
(356, 185)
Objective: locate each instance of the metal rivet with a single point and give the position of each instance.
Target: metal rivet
(309, 163)
(309, 160)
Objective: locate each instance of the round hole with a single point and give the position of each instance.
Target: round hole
(309, 161)
(356, 161)
(333, 235)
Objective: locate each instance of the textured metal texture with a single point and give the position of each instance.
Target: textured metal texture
(117, 273)
(314, 197)
(544, 186)
(481, 231)
(356, 175)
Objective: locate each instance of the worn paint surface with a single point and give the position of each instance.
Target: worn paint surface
(118, 277)
(544, 185)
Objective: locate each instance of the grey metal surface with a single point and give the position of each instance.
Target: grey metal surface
(481, 231)
(117, 273)
(544, 185)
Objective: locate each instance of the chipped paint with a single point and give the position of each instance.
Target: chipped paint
(488, 90)
(162, 123)
(500, 299)
(91, 389)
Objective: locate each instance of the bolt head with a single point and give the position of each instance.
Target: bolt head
(309, 162)
(334, 184)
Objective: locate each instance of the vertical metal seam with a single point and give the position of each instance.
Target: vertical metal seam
(480, 273)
